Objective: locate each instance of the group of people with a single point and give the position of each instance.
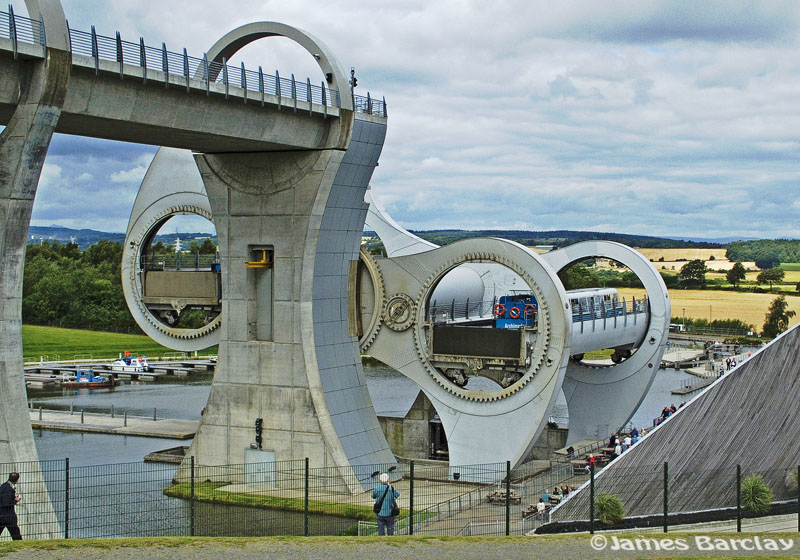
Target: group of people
(558, 493)
(668, 411)
(621, 443)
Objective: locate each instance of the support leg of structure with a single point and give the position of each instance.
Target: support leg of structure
(288, 225)
(23, 146)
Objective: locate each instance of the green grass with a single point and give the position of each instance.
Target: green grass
(790, 266)
(65, 344)
(208, 492)
(313, 547)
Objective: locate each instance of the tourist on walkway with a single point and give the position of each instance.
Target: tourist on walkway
(8, 502)
(385, 497)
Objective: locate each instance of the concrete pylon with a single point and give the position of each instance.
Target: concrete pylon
(289, 226)
(23, 146)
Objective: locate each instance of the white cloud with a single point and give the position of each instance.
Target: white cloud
(135, 174)
(667, 118)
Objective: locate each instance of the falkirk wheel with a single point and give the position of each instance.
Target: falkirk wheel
(404, 311)
(484, 327)
(456, 299)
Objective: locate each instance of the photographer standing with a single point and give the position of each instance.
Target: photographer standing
(8, 503)
(385, 508)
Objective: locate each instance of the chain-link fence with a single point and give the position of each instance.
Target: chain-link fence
(296, 498)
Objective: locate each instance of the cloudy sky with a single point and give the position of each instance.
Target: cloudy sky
(659, 118)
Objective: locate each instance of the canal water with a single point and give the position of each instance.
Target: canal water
(113, 492)
(392, 395)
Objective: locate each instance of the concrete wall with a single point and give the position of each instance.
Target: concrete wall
(748, 417)
(285, 354)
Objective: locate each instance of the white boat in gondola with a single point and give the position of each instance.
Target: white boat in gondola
(130, 364)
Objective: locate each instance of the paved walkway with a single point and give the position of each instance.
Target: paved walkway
(63, 421)
(410, 548)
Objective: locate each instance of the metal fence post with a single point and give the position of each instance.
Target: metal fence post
(411, 497)
(191, 495)
(508, 498)
(12, 30)
(591, 499)
(66, 498)
(666, 496)
(305, 500)
(738, 498)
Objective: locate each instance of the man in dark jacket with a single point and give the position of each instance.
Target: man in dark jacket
(8, 501)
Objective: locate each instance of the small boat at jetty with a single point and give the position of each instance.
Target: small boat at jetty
(87, 379)
(130, 364)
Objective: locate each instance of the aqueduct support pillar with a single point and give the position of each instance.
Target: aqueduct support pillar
(289, 226)
(23, 147)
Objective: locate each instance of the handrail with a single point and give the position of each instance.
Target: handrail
(179, 64)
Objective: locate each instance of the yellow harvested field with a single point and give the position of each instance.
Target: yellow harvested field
(717, 264)
(790, 277)
(717, 304)
(671, 256)
(688, 254)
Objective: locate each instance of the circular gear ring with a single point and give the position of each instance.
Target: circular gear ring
(133, 293)
(379, 295)
(540, 352)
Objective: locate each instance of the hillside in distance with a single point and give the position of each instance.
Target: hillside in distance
(85, 238)
(563, 238)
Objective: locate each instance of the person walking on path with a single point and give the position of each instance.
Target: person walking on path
(385, 497)
(8, 501)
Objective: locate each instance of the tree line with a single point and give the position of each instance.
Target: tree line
(64, 286)
(766, 253)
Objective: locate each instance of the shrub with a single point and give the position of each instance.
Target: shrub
(791, 479)
(609, 509)
(756, 495)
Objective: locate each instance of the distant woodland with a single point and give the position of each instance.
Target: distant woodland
(562, 238)
(769, 252)
(69, 286)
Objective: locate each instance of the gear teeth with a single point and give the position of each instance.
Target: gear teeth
(144, 313)
(380, 297)
(543, 336)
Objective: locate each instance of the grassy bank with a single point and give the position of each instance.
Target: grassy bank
(209, 492)
(67, 344)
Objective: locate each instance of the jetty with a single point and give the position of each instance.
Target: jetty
(682, 358)
(100, 423)
(53, 373)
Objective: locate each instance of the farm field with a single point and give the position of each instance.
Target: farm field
(791, 277)
(719, 304)
(688, 254)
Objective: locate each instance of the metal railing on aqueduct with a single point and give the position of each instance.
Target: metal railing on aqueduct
(167, 65)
